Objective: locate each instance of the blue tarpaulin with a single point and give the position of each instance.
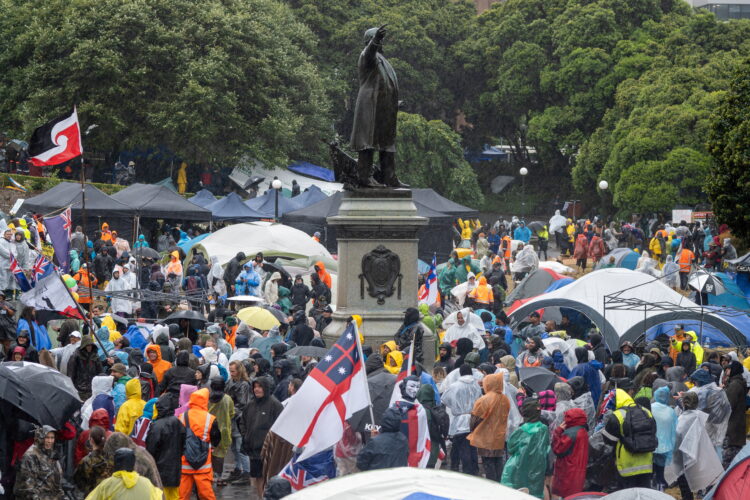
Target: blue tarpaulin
(314, 171)
(203, 198)
(188, 244)
(487, 154)
(231, 207)
(733, 297)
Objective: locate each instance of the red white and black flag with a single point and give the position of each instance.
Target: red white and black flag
(56, 141)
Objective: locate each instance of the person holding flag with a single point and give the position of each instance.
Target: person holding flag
(429, 293)
(414, 423)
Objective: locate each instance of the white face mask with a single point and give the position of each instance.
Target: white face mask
(412, 386)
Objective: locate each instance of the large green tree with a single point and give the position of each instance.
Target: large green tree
(429, 154)
(729, 144)
(211, 81)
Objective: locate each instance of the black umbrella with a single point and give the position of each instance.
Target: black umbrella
(15, 393)
(277, 313)
(538, 379)
(707, 283)
(146, 253)
(276, 267)
(308, 350)
(53, 398)
(176, 316)
(255, 180)
(535, 226)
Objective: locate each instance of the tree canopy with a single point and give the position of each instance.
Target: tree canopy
(729, 144)
(210, 81)
(429, 154)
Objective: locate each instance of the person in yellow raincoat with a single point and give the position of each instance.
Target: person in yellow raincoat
(131, 409)
(465, 227)
(393, 362)
(675, 345)
(125, 483)
(182, 178)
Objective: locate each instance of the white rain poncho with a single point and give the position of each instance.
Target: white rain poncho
(694, 453)
(671, 273)
(120, 305)
(467, 330)
(713, 400)
(649, 267)
(101, 384)
(526, 260)
(459, 398)
(216, 277)
(557, 222)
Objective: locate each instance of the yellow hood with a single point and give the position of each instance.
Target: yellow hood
(129, 479)
(622, 399)
(133, 389)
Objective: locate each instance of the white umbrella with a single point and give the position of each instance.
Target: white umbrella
(246, 298)
(637, 494)
(396, 484)
(706, 283)
(473, 319)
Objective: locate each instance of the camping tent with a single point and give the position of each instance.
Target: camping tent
(431, 199)
(255, 168)
(158, 202)
(733, 297)
(734, 483)
(624, 257)
(311, 196)
(266, 204)
(168, 183)
(535, 283)
(66, 194)
(408, 483)
(251, 237)
(203, 198)
(433, 238)
(186, 245)
(99, 207)
(707, 333)
(231, 207)
(635, 302)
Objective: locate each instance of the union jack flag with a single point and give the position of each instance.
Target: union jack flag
(42, 268)
(67, 223)
(304, 473)
(335, 390)
(21, 279)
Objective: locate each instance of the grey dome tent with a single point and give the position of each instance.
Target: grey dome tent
(203, 198)
(231, 207)
(158, 202)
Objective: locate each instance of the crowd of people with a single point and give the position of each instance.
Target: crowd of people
(164, 405)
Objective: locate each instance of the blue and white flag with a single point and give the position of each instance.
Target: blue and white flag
(429, 294)
(304, 473)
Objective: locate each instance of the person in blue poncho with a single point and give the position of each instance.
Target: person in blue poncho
(248, 281)
(141, 242)
(37, 333)
(666, 433)
(522, 233)
(589, 371)
(103, 335)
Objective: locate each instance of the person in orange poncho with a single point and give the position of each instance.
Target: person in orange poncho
(324, 275)
(174, 266)
(85, 281)
(482, 295)
(106, 233)
(489, 423)
(153, 353)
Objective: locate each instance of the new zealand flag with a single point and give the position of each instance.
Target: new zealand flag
(304, 473)
(21, 279)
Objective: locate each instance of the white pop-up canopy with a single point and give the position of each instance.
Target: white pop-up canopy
(252, 237)
(623, 304)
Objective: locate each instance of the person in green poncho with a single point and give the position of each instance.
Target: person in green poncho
(464, 268)
(447, 276)
(528, 449)
(284, 302)
(220, 406)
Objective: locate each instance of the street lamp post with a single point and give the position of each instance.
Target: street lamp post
(276, 185)
(603, 186)
(524, 171)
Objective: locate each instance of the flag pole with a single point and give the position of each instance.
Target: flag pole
(85, 238)
(362, 360)
(87, 319)
(410, 362)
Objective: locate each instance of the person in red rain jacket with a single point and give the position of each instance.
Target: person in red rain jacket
(570, 444)
(99, 417)
(596, 249)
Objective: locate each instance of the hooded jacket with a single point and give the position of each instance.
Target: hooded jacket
(410, 329)
(99, 418)
(380, 383)
(571, 447)
(460, 397)
(179, 374)
(234, 266)
(589, 371)
(258, 417)
(492, 412)
(446, 361)
(161, 338)
(389, 448)
(324, 275)
(131, 409)
(160, 366)
(301, 333)
(529, 448)
(197, 413)
(300, 293)
(83, 366)
(39, 475)
(736, 390)
(166, 442)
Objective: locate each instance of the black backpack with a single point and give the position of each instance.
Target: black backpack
(638, 431)
(441, 419)
(196, 450)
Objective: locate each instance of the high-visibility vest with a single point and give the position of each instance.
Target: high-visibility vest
(202, 430)
(685, 260)
(631, 464)
(506, 246)
(482, 294)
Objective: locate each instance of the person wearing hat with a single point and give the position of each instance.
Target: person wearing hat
(63, 354)
(533, 355)
(535, 327)
(120, 378)
(125, 483)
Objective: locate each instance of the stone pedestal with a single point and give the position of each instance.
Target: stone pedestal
(377, 277)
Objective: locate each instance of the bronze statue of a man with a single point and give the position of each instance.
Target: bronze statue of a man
(375, 113)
